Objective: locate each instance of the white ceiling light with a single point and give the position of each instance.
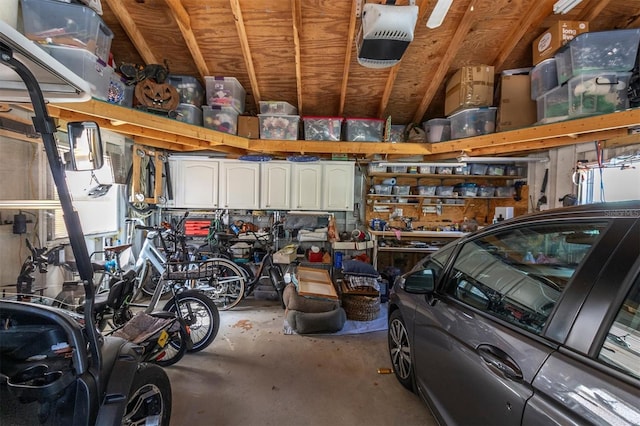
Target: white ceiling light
(467, 159)
(438, 14)
(564, 6)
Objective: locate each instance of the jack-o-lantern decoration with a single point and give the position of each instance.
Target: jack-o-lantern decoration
(157, 95)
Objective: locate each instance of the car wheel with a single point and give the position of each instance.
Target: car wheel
(400, 350)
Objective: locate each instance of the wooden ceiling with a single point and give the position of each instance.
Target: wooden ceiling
(304, 51)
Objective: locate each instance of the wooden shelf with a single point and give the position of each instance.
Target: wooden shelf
(443, 176)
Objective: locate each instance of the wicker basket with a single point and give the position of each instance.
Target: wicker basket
(361, 308)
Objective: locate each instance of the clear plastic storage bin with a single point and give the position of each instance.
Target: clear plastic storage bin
(375, 168)
(444, 191)
(504, 191)
(599, 51)
(322, 128)
(65, 24)
(401, 190)
(466, 190)
(486, 191)
(364, 129)
(478, 169)
(225, 91)
(602, 93)
(189, 113)
(277, 108)
(444, 170)
(283, 127)
(553, 105)
(473, 122)
(222, 119)
(189, 89)
(496, 169)
(427, 190)
(437, 129)
(544, 77)
(382, 189)
(397, 169)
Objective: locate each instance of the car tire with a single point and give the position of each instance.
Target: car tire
(400, 350)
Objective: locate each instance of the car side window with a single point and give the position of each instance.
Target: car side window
(621, 348)
(519, 274)
(437, 261)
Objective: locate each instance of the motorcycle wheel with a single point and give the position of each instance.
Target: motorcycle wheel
(149, 400)
(200, 314)
(176, 347)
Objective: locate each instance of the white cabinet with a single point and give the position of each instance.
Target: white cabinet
(239, 185)
(196, 183)
(337, 186)
(306, 186)
(275, 185)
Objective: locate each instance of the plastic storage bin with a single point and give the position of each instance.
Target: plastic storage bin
(396, 133)
(504, 191)
(119, 92)
(382, 189)
(375, 168)
(444, 191)
(427, 170)
(591, 94)
(544, 77)
(461, 170)
(86, 65)
(279, 126)
(225, 91)
(496, 170)
(444, 170)
(437, 129)
(486, 191)
(473, 122)
(614, 50)
(478, 169)
(277, 108)
(553, 105)
(189, 89)
(364, 129)
(397, 169)
(321, 128)
(427, 190)
(188, 113)
(222, 119)
(401, 190)
(466, 189)
(66, 24)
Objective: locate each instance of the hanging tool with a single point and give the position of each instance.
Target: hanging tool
(543, 197)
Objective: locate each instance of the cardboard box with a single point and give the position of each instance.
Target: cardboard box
(516, 109)
(469, 87)
(555, 37)
(249, 127)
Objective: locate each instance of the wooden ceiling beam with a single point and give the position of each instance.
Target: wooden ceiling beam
(126, 21)
(388, 88)
(183, 20)
(307, 147)
(531, 20)
(438, 77)
(347, 56)
(296, 11)
(591, 11)
(246, 50)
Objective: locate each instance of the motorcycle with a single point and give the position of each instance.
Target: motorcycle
(55, 367)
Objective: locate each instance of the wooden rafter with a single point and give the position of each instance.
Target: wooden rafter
(445, 62)
(129, 26)
(388, 87)
(347, 56)
(246, 50)
(183, 20)
(297, 28)
(592, 10)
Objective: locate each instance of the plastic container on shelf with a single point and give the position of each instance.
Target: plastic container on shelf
(513, 170)
(486, 191)
(364, 129)
(189, 113)
(397, 134)
(86, 65)
(598, 51)
(397, 169)
(321, 128)
(61, 23)
(437, 129)
(427, 170)
(277, 108)
(189, 89)
(478, 169)
(382, 189)
(553, 105)
(473, 122)
(466, 189)
(285, 127)
(401, 190)
(601, 93)
(444, 190)
(496, 169)
(461, 170)
(444, 170)
(426, 190)
(225, 91)
(119, 92)
(220, 118)
(504, 191)
(544, 77)
(375, 168)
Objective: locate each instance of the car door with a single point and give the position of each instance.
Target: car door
(481, 340)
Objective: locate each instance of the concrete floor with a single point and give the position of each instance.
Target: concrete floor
(254, 374)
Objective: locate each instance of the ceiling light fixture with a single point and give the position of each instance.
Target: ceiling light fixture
(438, 14)
(30, 204)
(467, 159)
(422, 164)
(564, 6)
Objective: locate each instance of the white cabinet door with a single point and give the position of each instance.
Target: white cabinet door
(306, 186)
(275, 185)
(239, 184)
(196, 183)
(337, 186)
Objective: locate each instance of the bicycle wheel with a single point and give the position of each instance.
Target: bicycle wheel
(149, 399)
(225, 283)
(176, 346)
(199, 313)
(149, 278)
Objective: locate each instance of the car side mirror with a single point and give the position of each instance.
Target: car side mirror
(419, 282)
(85, 146)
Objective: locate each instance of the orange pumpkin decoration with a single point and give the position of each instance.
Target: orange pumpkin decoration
(157, 95)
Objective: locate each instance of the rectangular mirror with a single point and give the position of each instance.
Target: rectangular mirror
(85, 145)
